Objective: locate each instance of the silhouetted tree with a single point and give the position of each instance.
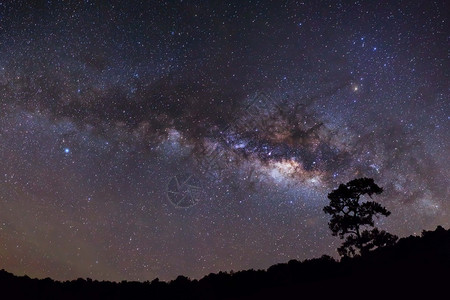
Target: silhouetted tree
(350, 218)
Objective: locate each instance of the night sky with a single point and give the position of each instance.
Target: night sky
(143, 139)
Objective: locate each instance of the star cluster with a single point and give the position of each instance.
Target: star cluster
(143, 139)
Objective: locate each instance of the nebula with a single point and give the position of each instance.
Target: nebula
(158, 139)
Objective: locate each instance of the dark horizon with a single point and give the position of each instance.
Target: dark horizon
(144, 139)
(412, 267)
(380, 254)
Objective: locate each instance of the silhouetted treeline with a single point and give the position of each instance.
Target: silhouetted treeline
(413, 267)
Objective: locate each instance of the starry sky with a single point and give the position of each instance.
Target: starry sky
(143, 139)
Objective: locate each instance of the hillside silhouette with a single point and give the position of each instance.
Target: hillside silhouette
(413, 268)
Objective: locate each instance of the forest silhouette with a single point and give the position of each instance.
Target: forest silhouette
(414, 267)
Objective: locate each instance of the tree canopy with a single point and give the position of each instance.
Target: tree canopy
(351, 218)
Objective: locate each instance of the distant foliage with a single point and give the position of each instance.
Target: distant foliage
(412, 264)
(351, 218)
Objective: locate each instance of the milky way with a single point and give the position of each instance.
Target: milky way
(264, 106)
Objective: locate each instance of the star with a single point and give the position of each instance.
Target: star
(265, 106)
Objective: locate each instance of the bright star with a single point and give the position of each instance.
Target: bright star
(66, 150)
